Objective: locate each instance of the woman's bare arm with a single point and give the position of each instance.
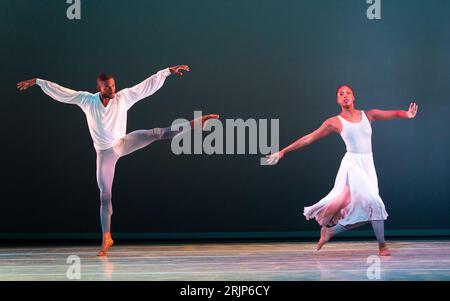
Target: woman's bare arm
(395, 114)
(327, 128)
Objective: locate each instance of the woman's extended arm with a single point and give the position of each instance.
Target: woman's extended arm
(388, 115)
(327, 128)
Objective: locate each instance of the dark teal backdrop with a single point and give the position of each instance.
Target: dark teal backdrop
(249, 59)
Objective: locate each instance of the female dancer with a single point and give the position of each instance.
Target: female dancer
(354, 199)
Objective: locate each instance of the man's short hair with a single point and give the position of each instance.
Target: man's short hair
(104, 77)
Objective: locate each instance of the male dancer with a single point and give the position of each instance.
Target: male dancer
(354, 200)
(106, 114)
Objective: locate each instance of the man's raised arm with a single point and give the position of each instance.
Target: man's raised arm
(55, 91)
(150, 85)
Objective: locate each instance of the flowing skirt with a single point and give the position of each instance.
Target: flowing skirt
(357, 171)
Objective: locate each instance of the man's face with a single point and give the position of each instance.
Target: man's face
(107, 88)
(345, 97)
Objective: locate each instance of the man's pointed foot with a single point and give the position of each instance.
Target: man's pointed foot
(384, 251)
(201, 122)
(107, 243)
(102, 253)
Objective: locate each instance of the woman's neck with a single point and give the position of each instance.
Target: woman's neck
(350, 112)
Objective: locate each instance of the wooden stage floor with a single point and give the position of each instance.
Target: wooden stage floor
(259, 261)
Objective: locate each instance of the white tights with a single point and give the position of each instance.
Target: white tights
(106, 164)
(378, 229)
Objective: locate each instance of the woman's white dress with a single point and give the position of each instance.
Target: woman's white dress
(357, 171)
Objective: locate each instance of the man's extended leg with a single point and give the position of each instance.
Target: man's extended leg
(107, 159)
(106, 164)
(141, 138)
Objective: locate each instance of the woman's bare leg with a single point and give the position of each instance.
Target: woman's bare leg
(341, 201)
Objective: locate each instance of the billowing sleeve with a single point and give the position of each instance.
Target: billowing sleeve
(145, 88)
(62, 94)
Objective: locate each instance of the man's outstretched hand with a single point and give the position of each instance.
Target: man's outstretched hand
(178, 69)
(23, 85)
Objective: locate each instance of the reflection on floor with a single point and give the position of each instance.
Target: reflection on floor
(411, 260)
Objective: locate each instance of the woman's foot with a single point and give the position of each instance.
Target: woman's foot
(384, 250)
(107, 243)
(325, 236)
(200, 122)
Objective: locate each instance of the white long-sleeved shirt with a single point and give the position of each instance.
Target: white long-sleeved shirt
(107, 125)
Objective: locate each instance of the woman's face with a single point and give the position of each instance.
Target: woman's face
(345, 97)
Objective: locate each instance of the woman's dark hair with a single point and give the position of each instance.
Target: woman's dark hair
(341, 86)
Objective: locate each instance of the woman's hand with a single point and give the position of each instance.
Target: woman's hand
(275, 157)
(413, 107)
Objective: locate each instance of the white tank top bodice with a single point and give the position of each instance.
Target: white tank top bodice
(357, 135)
